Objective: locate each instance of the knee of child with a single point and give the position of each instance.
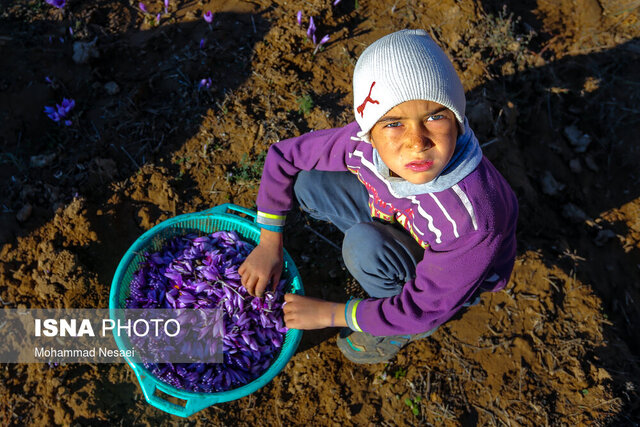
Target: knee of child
(360, 243)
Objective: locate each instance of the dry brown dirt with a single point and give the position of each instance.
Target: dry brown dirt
(559, 346)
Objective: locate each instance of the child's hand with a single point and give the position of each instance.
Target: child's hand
(302, 312)
(263, 265)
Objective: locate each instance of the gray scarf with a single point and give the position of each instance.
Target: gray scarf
(465, 159)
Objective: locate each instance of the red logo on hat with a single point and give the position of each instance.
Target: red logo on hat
(360, 109)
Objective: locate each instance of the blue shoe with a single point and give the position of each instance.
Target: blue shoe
(362, 347)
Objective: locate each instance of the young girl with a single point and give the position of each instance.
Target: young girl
(428, 222)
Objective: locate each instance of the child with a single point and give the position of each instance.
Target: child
(428, 222)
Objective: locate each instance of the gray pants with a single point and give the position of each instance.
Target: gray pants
(382, 257)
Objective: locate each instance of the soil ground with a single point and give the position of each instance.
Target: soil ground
(552, 94)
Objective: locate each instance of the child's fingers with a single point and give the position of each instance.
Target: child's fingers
(261, 285)
(245, 275)
(290, 322)
(242, 269)
(276, 280)
(250, 284)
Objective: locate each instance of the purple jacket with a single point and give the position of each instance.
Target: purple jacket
(468, 230)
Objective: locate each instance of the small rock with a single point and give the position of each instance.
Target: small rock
(550, 186)
(83, 51)
(111, 88)
(603, 237)
(41, 160)
(574, 213)
(591, 164)
(575, 166)
(579, 140)
(24, 213)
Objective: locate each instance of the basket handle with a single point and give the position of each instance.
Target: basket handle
(192, 404)
(231, 207)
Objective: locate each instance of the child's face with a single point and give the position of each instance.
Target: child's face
(416, 139)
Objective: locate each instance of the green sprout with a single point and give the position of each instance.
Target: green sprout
(399, 373)
(305, 104)
(413, 404)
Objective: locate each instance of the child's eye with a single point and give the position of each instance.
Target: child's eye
(392, 125)
(435, 117)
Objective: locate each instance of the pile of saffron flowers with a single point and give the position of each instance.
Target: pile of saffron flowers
(202, 272)
(60, 111)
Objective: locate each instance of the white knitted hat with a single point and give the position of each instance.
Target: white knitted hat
(404, 66)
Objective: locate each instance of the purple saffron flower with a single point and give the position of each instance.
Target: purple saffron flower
(312, 28)
(335, 3)
(206, 83)
(67, 122)
(48, 80)
(208, 16)
(323, 41)
(52, 113)
(158, 19)
(143, 7)
(57, 3)
(202, 43)
(70, 31)
(299, 17)
(166, 6)
(60, 111)
(66, 106)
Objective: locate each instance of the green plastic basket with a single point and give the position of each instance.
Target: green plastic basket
(215, 219)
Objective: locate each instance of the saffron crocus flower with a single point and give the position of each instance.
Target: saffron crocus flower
(322, 41)
(60, 111)
(312, 28)
(202, 43)
(143, 7)
(52, 113)
(299, 17)
(166, 6)
(66, 106)
(206, 83)
(57, 3)
(208, 16)
(335, 3)
(158, 19)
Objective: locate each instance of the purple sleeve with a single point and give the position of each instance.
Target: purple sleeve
(325, 150)
(445, 279)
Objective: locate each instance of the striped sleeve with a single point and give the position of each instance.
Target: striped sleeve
(271, 222)
(350, 314)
